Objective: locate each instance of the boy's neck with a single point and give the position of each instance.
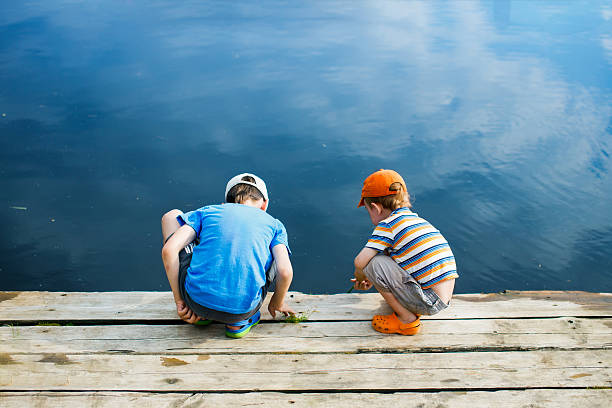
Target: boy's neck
(385, 213)
(261, 204)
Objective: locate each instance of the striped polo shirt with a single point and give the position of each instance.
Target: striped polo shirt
(416, 246)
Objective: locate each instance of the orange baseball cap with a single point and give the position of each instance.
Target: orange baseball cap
(377, 184)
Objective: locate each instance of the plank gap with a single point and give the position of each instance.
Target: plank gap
(316, 391)
(424, 350)
(178, 322)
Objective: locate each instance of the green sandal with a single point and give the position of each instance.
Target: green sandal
(245, 328)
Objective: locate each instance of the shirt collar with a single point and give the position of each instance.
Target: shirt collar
(400, 210)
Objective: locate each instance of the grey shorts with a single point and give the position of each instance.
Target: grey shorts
(388, 276)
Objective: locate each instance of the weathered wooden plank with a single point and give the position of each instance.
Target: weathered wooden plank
(36, 306)
(569, 398)
(268, 372)
(312, 337)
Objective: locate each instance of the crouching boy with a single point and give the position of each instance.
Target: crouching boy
(406, 259)
(221, 260)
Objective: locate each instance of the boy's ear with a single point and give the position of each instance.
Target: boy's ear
(377, 208)
(264, 206)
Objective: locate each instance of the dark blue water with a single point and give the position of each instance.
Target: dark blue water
(497, 113)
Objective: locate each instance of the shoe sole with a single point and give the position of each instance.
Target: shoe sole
(406, 332)
(380, 326)
(242, 333)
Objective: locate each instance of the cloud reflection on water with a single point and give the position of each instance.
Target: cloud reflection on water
(502, 143)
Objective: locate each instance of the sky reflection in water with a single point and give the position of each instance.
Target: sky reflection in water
(497, 113)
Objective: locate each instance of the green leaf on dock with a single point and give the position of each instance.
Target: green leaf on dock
(297, 318)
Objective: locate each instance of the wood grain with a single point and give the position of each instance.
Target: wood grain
(569, 398)
(312, 372)
(87, 306)
(129, 348)
(313, 337)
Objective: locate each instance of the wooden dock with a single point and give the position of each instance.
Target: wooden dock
(129, 349)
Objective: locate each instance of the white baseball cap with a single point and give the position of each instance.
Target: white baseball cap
(258, 184)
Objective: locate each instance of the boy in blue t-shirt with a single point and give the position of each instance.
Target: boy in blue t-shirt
(221, 260)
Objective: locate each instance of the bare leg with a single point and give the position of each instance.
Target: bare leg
(404, 315)
(169, 224)
(444, 290)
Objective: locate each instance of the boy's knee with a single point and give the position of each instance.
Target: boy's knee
(171, 215)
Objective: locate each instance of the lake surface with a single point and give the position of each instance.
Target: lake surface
(497, 113)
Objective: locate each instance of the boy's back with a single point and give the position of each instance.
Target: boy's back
(416, 246)
(229, 264)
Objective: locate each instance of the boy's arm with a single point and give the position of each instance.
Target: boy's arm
(170, 256)
(283, 280)
(362, 260)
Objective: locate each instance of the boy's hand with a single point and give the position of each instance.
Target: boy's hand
(185, 313)
(361, 285)
(273, 308)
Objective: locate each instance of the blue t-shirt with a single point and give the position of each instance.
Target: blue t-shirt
(228, 266)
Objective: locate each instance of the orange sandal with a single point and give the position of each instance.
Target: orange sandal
(391, 324)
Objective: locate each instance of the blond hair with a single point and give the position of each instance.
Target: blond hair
(391, 202)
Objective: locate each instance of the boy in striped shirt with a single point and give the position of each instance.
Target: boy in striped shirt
(406, 259)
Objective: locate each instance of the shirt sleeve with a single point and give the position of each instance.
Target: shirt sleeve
(381, 238)
(193, 219)
(280, 237)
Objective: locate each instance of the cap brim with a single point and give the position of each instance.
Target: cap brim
(361, 203)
